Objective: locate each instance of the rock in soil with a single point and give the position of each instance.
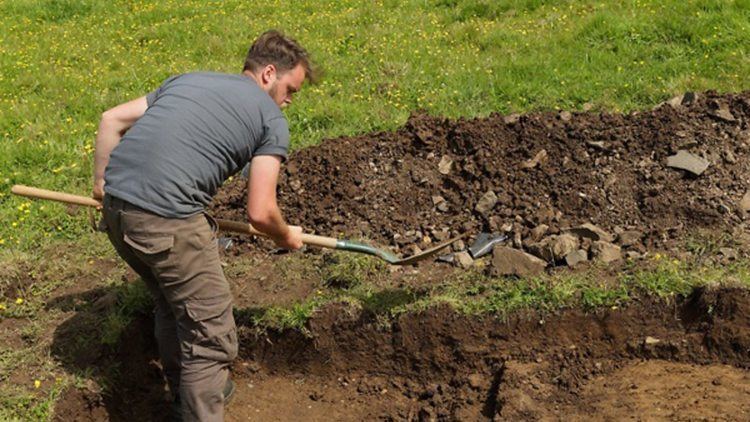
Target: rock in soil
(463, 259)
(539, 158)
(605, 252)
(538, 232)
(590, 231)
(684, 160)
(554, 248)
(745, 202)
(510, 261)
(629, 238)
(445, 165)
(721, 111)
(486, 203)
(576, 257)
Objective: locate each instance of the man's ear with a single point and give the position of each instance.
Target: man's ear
(268, 74)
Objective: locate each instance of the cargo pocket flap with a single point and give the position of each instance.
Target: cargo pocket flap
(204, 309)
(151, 244)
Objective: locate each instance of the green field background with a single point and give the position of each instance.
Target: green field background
(63, 62)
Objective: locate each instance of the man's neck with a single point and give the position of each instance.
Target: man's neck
(248, 74)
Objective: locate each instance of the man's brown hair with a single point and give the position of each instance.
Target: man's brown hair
(273, 47)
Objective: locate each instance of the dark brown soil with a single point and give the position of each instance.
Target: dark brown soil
(652, 359)
(607, 169)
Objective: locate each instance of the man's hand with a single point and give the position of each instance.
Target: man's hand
(292, 240)
(98, 191)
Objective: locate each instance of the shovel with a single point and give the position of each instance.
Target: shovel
(244, 228)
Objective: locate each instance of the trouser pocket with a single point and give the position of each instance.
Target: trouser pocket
(213, 332)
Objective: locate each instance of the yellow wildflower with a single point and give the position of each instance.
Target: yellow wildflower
(19, 301)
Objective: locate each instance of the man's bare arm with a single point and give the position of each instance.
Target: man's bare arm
(262, 208)
(114, 123)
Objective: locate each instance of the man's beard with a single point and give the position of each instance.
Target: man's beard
(273, 90)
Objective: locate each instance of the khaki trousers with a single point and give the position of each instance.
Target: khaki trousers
(178, 259)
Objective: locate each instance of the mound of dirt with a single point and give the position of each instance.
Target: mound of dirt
(531, 176)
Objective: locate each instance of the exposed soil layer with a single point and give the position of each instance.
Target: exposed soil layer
(650, 360)
(553, 169)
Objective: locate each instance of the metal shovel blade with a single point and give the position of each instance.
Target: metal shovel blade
(346, 245)
(429, 252)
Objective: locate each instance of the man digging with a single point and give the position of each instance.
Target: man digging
(159, 159)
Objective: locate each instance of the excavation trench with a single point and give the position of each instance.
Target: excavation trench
(680, 359)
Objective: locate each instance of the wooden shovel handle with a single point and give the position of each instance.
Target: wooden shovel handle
(55, 196)
(307, 239)
(225, 225)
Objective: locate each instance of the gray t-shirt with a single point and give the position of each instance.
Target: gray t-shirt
(199, 129)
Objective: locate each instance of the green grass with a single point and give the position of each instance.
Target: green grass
(474, 293)
(63, 62)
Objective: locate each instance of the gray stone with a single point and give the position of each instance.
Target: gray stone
(538, 232)
(576, 257)
(600, 145)
(539, 158)
(512, 118)
(723, 113)
(486, 203)
(564, 244)
(440, 203)
(447, 258)
(413, 250)
(651, 340)
(509, 261)
(441, 235)
(463, 259)
(445, 165)
(630, 238)
(458, 245)
(592, 232)
(554, 248)
(633, 255)
(684, 160)
(675, 101)
(606, 252)
(565, 116)
(745, 202)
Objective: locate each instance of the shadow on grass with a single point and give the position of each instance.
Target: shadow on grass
(126, 369)
(385, 301)
(122, 357)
